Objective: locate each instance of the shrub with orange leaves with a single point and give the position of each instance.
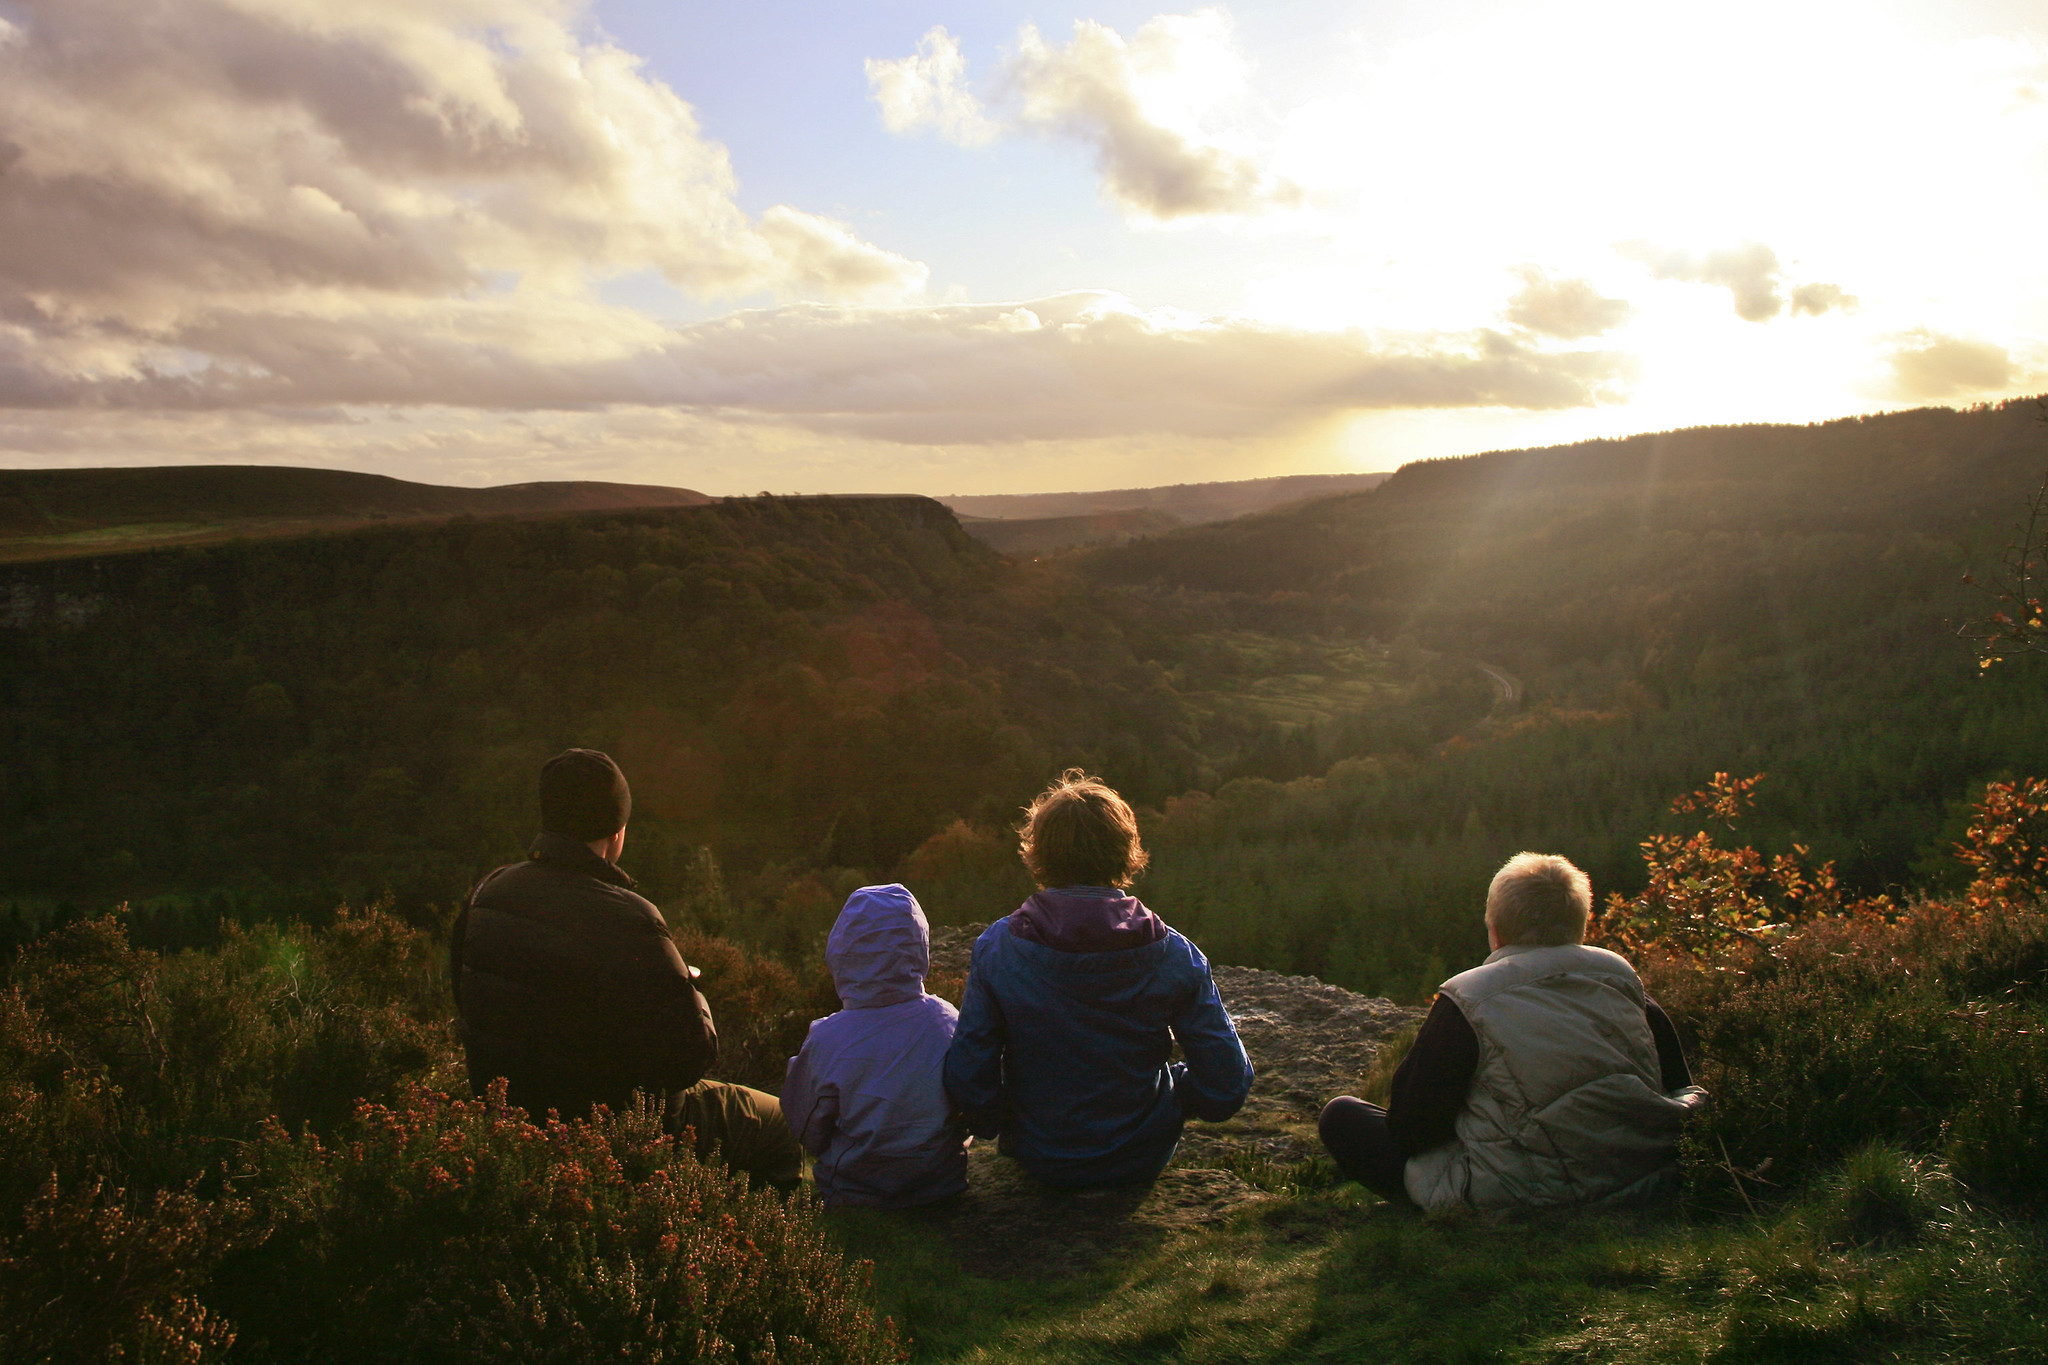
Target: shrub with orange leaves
(2006, 844)
(762, 1008)
(1701, 895)
(1820, 1024)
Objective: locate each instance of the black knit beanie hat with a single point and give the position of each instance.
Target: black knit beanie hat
(583, 796)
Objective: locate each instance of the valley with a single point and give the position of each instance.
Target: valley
(249, 780)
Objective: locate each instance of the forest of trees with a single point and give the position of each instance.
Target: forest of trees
(809, 692)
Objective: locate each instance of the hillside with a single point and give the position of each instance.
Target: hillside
(1188, 503)
(1338, 718)
(1340, 715)
(361, 709)
(1047, 535)
(1777, 599)
(804, 691)
(47, 513)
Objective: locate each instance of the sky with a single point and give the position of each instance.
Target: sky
(989, 247)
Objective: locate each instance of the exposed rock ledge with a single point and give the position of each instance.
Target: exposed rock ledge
(1308, 1040)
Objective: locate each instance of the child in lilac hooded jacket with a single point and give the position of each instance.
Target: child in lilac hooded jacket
(866, 1095)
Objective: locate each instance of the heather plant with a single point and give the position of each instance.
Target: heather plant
(456, 1229)
(87, 1275)
(146, 1069)
(248, 1149)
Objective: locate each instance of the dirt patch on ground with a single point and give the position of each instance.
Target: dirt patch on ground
(1308, 1041)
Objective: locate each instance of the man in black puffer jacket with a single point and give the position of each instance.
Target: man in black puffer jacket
(571, 989)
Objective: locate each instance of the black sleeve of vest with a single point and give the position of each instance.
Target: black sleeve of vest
(1430, 1085)
(1670, 1052)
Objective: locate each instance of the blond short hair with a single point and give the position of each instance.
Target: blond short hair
(1540, 899)
(1079, 832)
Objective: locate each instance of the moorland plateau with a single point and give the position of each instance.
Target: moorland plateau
(1338, 717)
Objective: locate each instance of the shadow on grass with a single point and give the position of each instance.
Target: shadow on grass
(945, 1308)
(1881, 1261)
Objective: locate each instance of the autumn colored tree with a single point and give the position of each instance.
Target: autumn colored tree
(1701, 895)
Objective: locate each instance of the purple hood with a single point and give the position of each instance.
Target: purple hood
(1086, 922)
(879, 948)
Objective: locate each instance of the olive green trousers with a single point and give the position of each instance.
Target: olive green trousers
(743, 1126)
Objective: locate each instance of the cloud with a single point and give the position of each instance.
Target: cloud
(1815, 299)
(1072, 366)
(246, 212)
(927, 90)
(1930, 365)
(1570, 309)
(1159, 109)
(1749, 272)
(204, 194)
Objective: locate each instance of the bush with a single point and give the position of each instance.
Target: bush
(1701, 898)
(1925, 1028)
(762, 1008)
(250, 1145)
(86, 1277)
(145, 1070)
(1861, 1030)
(444, 1229)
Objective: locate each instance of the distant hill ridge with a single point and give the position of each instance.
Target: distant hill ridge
(1189, 503)
(1890, 455)
(58, 512)
(1937, 472)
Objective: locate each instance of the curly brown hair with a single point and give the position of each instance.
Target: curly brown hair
(1079, 832)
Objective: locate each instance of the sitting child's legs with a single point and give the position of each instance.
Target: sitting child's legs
(1355, 1133)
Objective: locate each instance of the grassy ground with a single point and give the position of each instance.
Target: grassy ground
(1884, 1260)
(1299, 682)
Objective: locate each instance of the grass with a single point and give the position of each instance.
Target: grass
(1297, 682)
(1882, 1260)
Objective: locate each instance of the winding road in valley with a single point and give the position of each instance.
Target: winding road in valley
(1510, 686)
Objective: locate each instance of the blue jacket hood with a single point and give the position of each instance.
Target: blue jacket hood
(879, 948)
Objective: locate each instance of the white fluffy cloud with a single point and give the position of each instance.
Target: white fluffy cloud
(1163, 109)
(201, 196)
(1931, 366)
(928, 90)
(1568, 308)
(1749, 272)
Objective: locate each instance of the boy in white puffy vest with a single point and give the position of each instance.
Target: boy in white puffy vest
(1542, 1076)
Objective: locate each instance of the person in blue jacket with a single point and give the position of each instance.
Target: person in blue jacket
(1073, 1005)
